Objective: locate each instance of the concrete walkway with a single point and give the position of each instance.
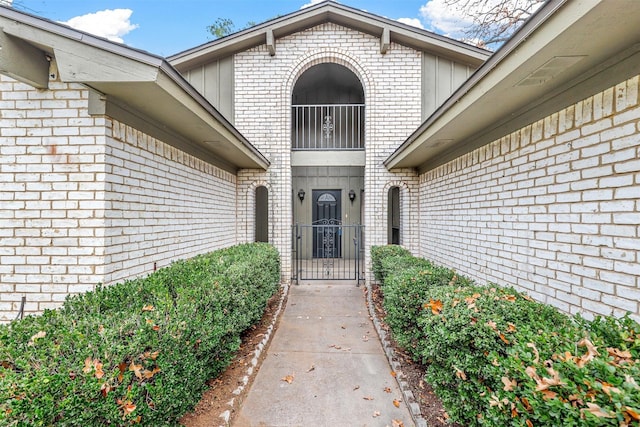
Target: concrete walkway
(325, 366)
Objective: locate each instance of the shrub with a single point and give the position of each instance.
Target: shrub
(139, 352)
(381, 253)
(582, 375)
(465, 331)
(404, 294)
(496, 357)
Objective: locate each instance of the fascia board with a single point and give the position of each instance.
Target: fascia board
(336, 13)
(435, 134)
(104, 65)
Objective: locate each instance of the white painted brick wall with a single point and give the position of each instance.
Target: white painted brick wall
(162, 204)
(86, 200)
(262, 113)
(51, 165)
(552, 209)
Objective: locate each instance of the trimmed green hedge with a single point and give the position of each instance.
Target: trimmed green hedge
(405, 290)
(391, 258)
(138, 352)
(496, 357)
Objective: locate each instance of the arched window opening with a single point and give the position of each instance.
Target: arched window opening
(327, 109)
(394, 216)
(262, 214)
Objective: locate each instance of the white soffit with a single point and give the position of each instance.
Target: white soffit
(139, 86)
(549, 70)
(566, 52)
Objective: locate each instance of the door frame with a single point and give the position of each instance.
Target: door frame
(327, 237)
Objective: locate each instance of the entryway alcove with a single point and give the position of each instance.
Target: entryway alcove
(328, 158)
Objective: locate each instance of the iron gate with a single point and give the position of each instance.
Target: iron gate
(328, 250)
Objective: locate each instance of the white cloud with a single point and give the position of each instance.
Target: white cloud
(414, 22)
(454, 21)
(6, 2)
(311, 3)
(112, 24)
(447, 20)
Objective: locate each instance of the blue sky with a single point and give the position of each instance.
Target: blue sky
(165, 27)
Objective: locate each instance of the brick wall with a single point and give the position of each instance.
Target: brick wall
(87, 199)
(161, 204)
(391, 84)
(51, 179)
(552, 209)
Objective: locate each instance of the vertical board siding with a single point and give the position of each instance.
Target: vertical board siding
(215, 81)
(440, 78)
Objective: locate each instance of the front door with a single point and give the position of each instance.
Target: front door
(327, 216)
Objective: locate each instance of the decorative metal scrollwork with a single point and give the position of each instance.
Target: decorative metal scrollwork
(330, 221)
(327, 127)
(328, 231)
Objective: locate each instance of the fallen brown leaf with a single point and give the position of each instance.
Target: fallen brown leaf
(504, 339)
(105, 388)
(592, 352)
(98, 366)
(288, 378)
(396, 403)
(508, 384)
(36, 337)
(632, 413)
(126, 405)
(532, 346)
(460, 374)
(598, 411)
(88, 365)
(136, 370)
(608, 389)
(436, 306)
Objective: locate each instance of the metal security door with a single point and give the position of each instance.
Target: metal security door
(327, 215)
(349, 266)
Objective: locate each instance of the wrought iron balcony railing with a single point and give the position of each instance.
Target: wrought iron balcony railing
(327, 127)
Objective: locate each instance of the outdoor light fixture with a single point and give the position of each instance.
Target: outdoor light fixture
(352, 195)
(301, 195)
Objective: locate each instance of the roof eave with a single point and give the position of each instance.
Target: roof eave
(110, 68)
(336, 13)
(464, 123)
